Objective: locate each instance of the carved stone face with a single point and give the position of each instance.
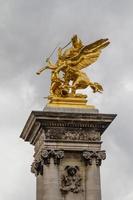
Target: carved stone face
(71, 171)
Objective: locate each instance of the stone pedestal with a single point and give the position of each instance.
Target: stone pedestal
(68, 152)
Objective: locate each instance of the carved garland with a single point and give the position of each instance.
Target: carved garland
(72, 135)
(71, 180)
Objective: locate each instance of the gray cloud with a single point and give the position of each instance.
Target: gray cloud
(29, 31)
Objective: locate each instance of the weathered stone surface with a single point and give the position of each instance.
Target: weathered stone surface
(63, 126)
(68, 152)
(98, 156)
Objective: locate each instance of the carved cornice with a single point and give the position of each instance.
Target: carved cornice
(47, 120)
(43, 158)
(89, 156)
(74, 124)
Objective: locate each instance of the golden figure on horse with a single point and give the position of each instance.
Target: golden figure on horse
(67, 75)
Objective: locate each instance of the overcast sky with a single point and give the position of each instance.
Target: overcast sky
(29, 31)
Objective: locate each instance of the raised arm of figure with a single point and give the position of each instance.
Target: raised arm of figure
(50, 65)
(41, 70)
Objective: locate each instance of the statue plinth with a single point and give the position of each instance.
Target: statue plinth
(68, 152)
(69, 102)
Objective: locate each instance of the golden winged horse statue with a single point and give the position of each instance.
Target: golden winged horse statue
(67, 75)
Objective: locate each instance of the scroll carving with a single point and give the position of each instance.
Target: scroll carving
(98, 156)
(56, 155)
(37, 167)
(43, 158)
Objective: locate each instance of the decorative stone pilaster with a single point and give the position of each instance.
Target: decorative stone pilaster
(43, 158)
(93, 161)
(51, 160)
(98, 156)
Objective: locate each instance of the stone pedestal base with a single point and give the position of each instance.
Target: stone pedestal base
(67, 102)
(68, 152)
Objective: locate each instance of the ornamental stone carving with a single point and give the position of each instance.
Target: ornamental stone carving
(98, 156)
(72, 135)
(75, 124)
(43, 158)
(48, 154)
(37, 167)
(71, 180)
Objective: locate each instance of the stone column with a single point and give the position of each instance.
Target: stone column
(46, 169)
(39, 187)
(51, 182)
(93, 161)
(37, 169)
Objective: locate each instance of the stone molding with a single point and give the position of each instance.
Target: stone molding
(50, 120)
(43, 158)
(89, 156)
(74, 124)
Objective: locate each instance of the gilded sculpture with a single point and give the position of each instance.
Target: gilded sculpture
(66, 74)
